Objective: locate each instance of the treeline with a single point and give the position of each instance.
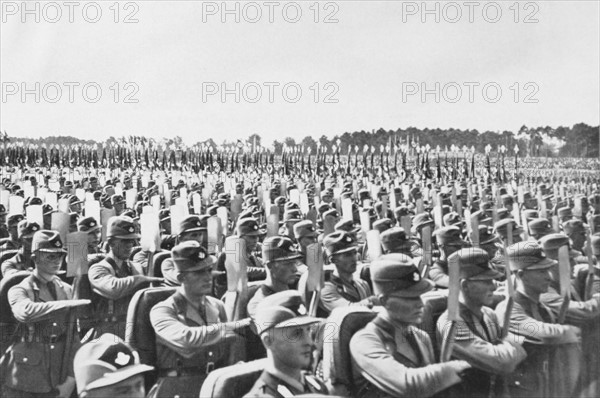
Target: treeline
(579, 140)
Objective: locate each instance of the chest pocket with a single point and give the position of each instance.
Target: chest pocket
(27, 370)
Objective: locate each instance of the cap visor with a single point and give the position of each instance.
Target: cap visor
(545, 263)
(487, 275)
(348, 249)
(128, 236)
(113, 378)
(297, 321)
(52, 250)
(423, 286)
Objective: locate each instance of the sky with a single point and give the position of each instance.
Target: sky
(280, 69)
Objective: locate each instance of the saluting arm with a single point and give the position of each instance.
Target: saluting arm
(26, 310)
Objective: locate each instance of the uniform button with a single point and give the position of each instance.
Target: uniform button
(52, 346)
(25, 359)
(210, 354)
(54, 324)
(517, 383)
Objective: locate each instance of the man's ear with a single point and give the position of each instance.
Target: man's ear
(382, 299)
(463, 285)
(181, 277)
(267, 338)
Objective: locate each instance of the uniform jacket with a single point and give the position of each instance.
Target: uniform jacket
(477, 341)
(17, 263)
(186, 338)
(39, 352)
(269, 385)
(337, 294)
(381, 368)
(553, 357)
(113, 287)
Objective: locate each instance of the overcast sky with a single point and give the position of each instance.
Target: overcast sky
(163, 74)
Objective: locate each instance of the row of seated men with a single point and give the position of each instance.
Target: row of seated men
(394, 285)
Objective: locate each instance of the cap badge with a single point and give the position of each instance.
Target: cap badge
(348, 239)
(122, 359)
(198, 223)
(416, 277)
(131, 229)
(57, 243)
(34, 228)
(92, 224)
(302, 309)
(256, 227)
(201, 255)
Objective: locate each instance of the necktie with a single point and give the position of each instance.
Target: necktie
(52, 289)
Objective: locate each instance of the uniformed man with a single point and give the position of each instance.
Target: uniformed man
(287, 334)
(449, 241)
(546, 342)
(538, 228)
(477, 336)
(280, 259)
(40, 360)
(306, 235)
(115, 279)
(191, 228)
(22, 261)
(576, 231)
(391, 357)
(12, 241)
(93, 229)
(249, 230)
(108, 367)
(3, 228)
(118, 203)
(193, 336)
(342, 289)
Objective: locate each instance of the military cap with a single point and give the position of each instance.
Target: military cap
(121, 227)
(333, 213)
(164, 215)
(527, 255)
(594, 199)
(2, 210)
(27, 228)
(527, 195)
(106, 200)
(129, 213)
(565, 212)
(190, 224)
(452, 218)
(190, 256)
(45, 240)
(394, 239)
(363, 193)
(421, 220)
(116, 199)
(530, 214)
(282, 310)
(279, 248)
(485, 235)
(540, 226)
(502, 213)
(402, 211)
(448, 235)
(246, 213)
(596, 245)
(573, 226)
(339, 242)
(88, 224)
(507, 199)
(323, 207)
(474, 264)
(73, 199)
(383, 224)
(291, 206)
(415, 192)
(212, 210)
(33, 201)
(552, 242)
(248, 226)
(279, 201)
(104, 362)
(292, 215)
(303, 229)
(501, 227)
(14, 219)
(346, 195)
(346, 225)
(396, 273)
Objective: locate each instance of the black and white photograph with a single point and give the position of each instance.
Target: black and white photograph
(348, 198)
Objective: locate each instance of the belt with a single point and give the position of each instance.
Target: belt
(187, 371)
(114, 318)
(44, 339)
